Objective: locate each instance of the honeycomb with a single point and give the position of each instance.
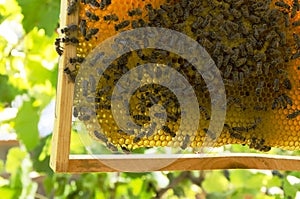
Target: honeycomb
(254, 43)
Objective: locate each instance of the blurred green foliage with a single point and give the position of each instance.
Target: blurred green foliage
(28, 71)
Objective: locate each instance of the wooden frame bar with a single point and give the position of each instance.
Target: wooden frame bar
(62, 161)
(143, 163)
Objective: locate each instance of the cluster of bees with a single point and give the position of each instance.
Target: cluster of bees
(254, 43)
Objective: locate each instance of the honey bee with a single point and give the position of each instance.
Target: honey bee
(135, 12)
(282, 101)
(245, 11)
(259, 87)
(68, 29)
(287, 84)
(72, 7)
(236, 13)
(160, 115)
(295, 8)
(84, 117)
(92, 32)
(151, 129)
(257, 5)
(211, 134)
(76, 60)
(186, 141)
(241, 78)
(204, 112)
(240, 62)
(178, 10)
(235, 55)
(85, 88)
(139, 137)
(275, 103)
(75, 112)
(100, 136)
(111, 147)
(184, 3)
(296, 55)
(197, 23)
(70, 40)
(288, 99)
(282, 4)
(293, 115)
(206, 21)
(266, 68)
(166, 129)
(142, 23)
(235, 76)
(91, 2)
(276, 85)
(260, 108)
(228, 82)
(83, 27)
(254, 125)
(71, 74)
(141, 117)
(240, 129)
(92, 16)
(122, 25)
(286, 20)
(103, 4)
(226, 60)
(58, 48)
(112, 17)
(249, 48)
(92, 83)
(228, 71)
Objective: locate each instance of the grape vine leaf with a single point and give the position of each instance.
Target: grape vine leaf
(46, 13)
(8, 91)
(26, 125)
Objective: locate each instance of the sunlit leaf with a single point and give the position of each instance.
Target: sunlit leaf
(46, 13)
(254, 180)
(289, 189)
(274, 181)
(76, 146)
(26, 125)
(215, 182)
(15, 157)
(36, 73)
(8, 92)
(136, 175)
(6, 192)
(41, 156)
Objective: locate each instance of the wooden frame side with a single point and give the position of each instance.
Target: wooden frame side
(64, 101)
(143, 163)
(62, 161)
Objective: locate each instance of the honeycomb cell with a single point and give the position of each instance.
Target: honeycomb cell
(256, 54)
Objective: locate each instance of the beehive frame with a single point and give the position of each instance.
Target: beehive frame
(62, 161)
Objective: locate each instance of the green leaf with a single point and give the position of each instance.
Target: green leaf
(179, 191)
(215, 182)
(274, 181)
(36, 73)
(8, 92)
(76, 146)
(135, 175)
(41, 13)
(289, 190)
(254, 180)
(41, 156)
(26, 125)
(6, 192)
(15, 157)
